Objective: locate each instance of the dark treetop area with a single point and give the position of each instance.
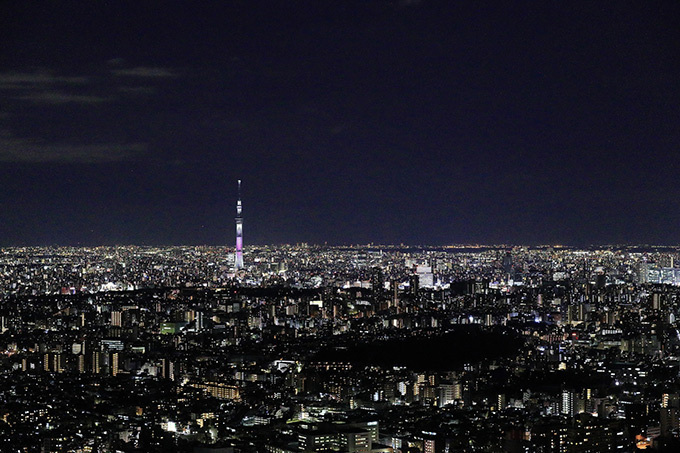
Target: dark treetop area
(444, 352)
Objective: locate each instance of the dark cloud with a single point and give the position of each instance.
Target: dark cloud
(57, 97)
(27, 150)
(145, 72)
(137, 90)
(407, 3)
(116, 62)
(25, 80)
(44, 86)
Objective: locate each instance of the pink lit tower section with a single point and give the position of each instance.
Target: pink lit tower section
(238, 261)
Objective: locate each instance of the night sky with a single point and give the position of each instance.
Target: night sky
(385, 121)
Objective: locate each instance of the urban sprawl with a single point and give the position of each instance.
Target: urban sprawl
(363, 349)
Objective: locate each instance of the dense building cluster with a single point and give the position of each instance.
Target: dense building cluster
(353, 349)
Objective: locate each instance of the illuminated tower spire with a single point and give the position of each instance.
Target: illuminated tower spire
(238, 262)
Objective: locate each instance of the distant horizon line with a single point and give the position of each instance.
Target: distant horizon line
(361, 245)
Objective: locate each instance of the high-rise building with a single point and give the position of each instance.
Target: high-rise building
(116, 319)
(96, 363)
(507, 262)
(57, 363)
(114, 364)
(425, 276)
(238, 260)
(377, 283)
(394, 288)
(643, 272)
(567, 403)
(414, 284)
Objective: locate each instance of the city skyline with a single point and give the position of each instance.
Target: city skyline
(415, 122)
(344, 349)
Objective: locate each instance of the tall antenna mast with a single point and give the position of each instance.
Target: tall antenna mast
(238, 261)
